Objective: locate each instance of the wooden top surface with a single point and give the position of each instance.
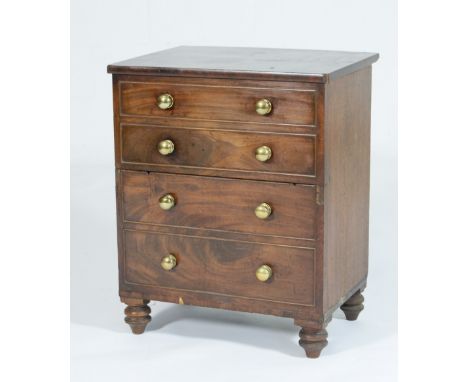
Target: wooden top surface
(248, 63)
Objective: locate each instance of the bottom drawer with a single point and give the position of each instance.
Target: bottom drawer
(220, 266)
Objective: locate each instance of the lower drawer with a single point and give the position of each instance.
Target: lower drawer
(220, 266)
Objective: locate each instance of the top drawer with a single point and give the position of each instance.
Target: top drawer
(225, 101)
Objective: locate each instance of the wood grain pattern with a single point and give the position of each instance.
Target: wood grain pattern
(219, 149)
(264, 129)
(317, 182)
(347, 158)
(227, 267)
(232, 62)
(223, 235)
(229, 102)
(220, 204)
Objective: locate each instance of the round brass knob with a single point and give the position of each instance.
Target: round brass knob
(165, 101)
(263, 107)
(264, 273)
(168, 262)
(263, 211)
(166, 202)
(263, 153)
(166, 147)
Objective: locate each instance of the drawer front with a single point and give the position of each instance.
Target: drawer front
(229, 102)
(220, 266)
(220, 204)
(219, 150)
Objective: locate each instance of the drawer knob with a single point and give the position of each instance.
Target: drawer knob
(166, 202)
(165, 101)
(263, 211)
(166, 147)
(263, 153)
(168, 262)
(264, 273)
(263, 107)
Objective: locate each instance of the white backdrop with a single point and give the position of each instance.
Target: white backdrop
(185, 342)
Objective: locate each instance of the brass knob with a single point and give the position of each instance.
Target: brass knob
(263, 210)
(168, 262)
(165, 101)
(263, 153)
(263, 107)
(166, 147)
(264, 273)
(166, 202)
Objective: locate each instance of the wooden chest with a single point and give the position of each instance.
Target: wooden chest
(243, 182)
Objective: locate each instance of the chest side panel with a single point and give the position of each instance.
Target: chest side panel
(347, 171)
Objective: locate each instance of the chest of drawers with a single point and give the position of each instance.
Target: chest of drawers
(243, 182)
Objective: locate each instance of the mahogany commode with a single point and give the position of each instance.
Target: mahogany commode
(243, 182)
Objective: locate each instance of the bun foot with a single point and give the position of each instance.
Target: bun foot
(353, 306)
(137, 314)
(313, 338)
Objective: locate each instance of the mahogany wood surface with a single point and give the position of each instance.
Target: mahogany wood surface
(220, 149)
(137, 314)
(317, 182)
(220, 266)
(229, 101)
(264, 63)
(346, 196)
(264, 127)
(221, 301)
(313, 336)
(220, 204)
(353, 306)
(220, 234)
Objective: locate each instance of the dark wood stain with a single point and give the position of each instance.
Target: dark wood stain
(232, 101)
(220, 204)
(347, 153)
(206, 264)
(218, 149)
(317, 181)
(256, 63)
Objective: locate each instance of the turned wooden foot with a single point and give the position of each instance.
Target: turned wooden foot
(137, 314)
(353, 306)
(313, 338)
